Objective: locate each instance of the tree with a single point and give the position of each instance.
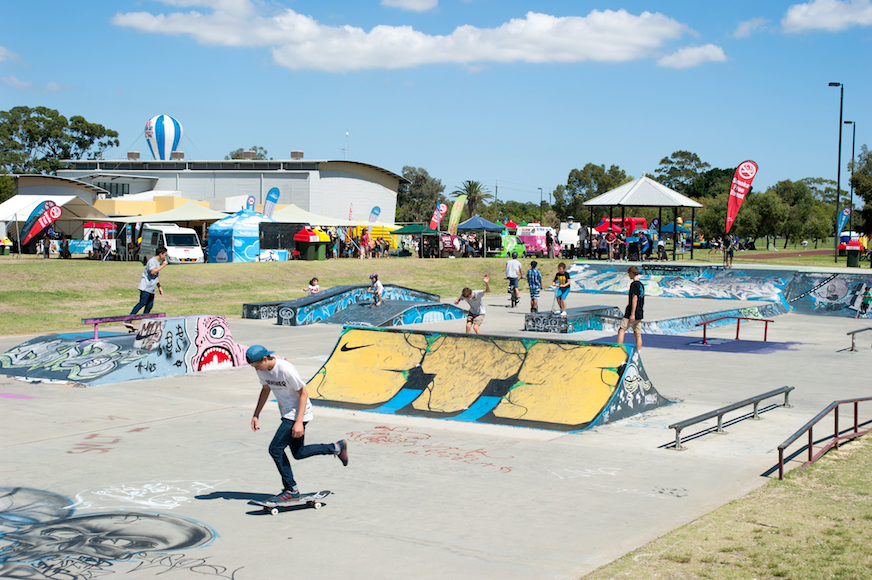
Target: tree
(681, 169)
(585, 184)
(475, 194)
(800, 202)
(37, 140)
(820, 225)
(824, 190)
(7, 187)
(772, 211)
(417, 200)
(712, 220)
(710, 184)
(259, 153)
(862, 182)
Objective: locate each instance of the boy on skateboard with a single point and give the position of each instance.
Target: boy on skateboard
(148, 283)
(635, 308)
(281, 377)
(475, 299)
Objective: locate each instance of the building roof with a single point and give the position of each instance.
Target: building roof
(643, 192)
(33, 179)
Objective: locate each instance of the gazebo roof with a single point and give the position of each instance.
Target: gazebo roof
(643, 192)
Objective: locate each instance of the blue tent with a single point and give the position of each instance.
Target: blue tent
(477, 223)
(236, 238)
(671, 226)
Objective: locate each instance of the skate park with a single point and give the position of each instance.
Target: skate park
(422, 497)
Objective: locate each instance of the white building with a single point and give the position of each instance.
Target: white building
(340, 189)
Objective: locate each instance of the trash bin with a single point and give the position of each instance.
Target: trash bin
(853, 257)
(307, 243)
(321, 250)
(5, 250)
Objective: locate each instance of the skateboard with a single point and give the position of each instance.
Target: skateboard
(310, 499)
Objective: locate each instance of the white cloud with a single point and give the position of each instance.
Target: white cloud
(412, 5)
(300, 42)
(6, 54)
(16, 84)
(748, 27)
(829, 15)
(693, 56)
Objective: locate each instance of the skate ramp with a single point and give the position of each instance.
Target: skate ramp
(559, 385)
(161, 347)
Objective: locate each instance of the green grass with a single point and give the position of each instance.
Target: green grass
(812, 525)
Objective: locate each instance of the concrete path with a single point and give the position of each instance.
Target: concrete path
(421, 498)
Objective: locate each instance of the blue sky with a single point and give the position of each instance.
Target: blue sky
(508, 92)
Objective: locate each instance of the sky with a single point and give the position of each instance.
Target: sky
(512, 93)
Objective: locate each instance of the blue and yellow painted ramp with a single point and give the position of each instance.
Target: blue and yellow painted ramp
(560, 385)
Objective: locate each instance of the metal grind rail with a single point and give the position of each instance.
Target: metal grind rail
(837, 436)
(739, 320)
(853, 334)
(719, 413)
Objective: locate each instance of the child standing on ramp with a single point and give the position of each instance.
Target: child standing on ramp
(635, 308)
(281, 377)
(561, 281)
(534, 281)
(377, 290)
(475, 299)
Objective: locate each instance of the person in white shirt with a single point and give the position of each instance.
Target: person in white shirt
(475, 299)
(377, 289)
(281, 378)
(513, 272)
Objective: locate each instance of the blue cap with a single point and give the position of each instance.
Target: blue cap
(256, 353)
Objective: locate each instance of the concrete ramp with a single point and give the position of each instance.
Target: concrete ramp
(559, 385)
(161, 347)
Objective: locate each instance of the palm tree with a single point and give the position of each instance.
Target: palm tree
(475, 193)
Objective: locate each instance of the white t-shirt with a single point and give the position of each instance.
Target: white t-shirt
(285, 383)
(476, 302)
(377, 288)
(513, 268)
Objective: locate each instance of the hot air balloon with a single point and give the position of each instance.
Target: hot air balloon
(163, 134)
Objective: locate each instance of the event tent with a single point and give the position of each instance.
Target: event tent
(189, 212)
(294, 214)
(477, 224)
(671, 227)
(15, 211)
(236, 238)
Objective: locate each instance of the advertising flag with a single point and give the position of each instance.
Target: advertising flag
(455, 214)
(843, 219)
(249, 203)
(373, 216)
(440, 212)
(42, 216)
(272, 198)
(741, 184)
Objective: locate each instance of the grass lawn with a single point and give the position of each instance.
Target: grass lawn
(814, 524)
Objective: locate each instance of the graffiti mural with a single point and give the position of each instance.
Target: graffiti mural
(566, 386)
(155, 495)
(827, 294)
(41, 537)
(162, 347)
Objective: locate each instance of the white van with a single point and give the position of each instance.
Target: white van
(182, 244)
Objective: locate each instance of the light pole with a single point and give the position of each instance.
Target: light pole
(853, 141)
(839, 172)
(540, 206)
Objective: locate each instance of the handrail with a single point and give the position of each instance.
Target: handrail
(719, 413)
(836, 437)
(852, 333)
(739, 320)
(96, 321)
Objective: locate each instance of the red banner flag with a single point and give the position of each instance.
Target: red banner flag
(47, 213)
(440, 212)
(742, 179)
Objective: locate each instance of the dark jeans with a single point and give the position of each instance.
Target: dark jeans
(145, 299)
(282, 439)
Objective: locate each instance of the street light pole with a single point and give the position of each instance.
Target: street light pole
(839, 172)
(853, 142)
(540, 206)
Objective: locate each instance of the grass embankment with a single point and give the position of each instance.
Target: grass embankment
(814, 524)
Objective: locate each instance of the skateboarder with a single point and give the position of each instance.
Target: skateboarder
(635, 308)
(281, 377)
(561, 290)
(377, 289)
(149, 282)
(475, 299)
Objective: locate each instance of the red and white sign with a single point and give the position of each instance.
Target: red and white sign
(741, 184)
(440, 212)
(50, 215)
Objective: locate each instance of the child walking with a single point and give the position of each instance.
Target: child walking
(534, 281)
(635, 308)
(281, 377)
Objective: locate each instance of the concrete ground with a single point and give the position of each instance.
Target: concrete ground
(420, 498)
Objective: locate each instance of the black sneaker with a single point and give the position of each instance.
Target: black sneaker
(285, 496)
(342, 454)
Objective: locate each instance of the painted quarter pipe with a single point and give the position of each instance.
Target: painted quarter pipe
(547, 384)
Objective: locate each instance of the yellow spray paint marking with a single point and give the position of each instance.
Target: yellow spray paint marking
(463, 368)
(370, 368)
(564, 384)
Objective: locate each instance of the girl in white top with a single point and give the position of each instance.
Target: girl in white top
(377, 289)
(313, 287)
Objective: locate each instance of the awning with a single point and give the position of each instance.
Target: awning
(190, 212)
(75, 208)
(294, 214)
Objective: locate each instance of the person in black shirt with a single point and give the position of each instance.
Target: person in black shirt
(635, 308)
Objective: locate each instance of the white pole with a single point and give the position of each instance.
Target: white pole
(17, 235)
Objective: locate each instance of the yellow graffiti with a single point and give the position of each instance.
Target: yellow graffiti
(567, 384)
